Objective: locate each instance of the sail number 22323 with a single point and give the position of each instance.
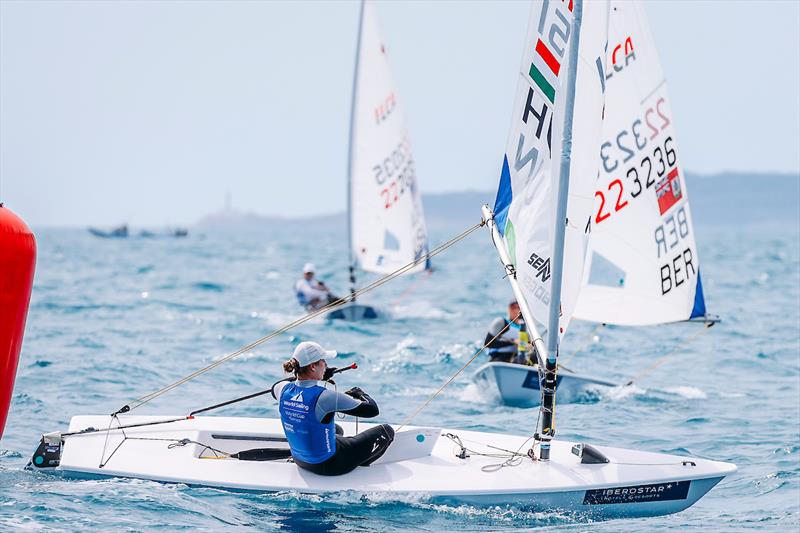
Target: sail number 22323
(648, 167)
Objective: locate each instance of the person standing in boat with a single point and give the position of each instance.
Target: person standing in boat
(311, 292)
(307, 412)
(506, 341)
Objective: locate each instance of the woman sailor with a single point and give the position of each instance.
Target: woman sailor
(307, 411)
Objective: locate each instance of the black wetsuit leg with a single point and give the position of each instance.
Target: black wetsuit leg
(351, 452)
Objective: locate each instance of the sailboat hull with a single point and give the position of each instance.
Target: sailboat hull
(420, 464)
(353, 312)
(518, 385)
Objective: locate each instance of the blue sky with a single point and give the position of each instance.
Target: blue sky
(149, 112)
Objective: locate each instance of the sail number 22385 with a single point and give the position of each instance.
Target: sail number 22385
(394, 174)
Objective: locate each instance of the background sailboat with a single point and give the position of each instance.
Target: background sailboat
(525, 211)
(385, 216)
(642, 265)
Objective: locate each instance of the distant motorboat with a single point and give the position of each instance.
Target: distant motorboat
(118, 232)
(178, 232)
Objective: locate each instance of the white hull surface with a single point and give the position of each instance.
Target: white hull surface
(518, 385)
(353, 312)
(420, 463)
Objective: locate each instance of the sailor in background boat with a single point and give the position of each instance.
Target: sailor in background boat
(512, 345)
(307, 414)
(312, 293)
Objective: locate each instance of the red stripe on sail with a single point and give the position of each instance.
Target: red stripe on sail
(548, 57)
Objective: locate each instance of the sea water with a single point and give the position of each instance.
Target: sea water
(111, 320)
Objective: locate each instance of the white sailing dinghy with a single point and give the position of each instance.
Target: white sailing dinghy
(518, 385)
(436, 464)
(386, 222)
(642, 267)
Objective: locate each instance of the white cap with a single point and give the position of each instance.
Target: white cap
(309, 267)
(310, 352)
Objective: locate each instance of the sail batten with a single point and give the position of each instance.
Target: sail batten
(387, 223)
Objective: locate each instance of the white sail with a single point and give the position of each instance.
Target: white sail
(386, 216)
(525, 208)
(644, 267)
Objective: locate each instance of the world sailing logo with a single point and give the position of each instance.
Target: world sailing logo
(297, 397)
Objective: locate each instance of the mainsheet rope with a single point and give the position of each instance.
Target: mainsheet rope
(332, 305)
(661, 360)
(588, 343)
(458, 372)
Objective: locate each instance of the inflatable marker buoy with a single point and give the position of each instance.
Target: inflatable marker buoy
(17, 262)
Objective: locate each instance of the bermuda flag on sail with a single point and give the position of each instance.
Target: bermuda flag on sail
(668, 191)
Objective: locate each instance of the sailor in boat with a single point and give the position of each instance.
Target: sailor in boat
(311, 292)
(307, 413)
(507, 340)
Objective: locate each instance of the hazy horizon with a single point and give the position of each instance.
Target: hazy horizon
(754, 197)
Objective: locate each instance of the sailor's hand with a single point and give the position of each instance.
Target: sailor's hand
(329, 372)
(356, 393)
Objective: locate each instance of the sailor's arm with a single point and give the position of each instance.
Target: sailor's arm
(494, 337)
(368, 407)
(308, 291)
(331, 402)
(277, 389)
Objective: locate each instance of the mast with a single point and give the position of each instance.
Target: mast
(549, 386)
(352, 263)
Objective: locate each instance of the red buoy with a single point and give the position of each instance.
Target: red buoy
(17, 262)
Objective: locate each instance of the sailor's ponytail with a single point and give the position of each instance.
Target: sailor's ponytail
(291, 366)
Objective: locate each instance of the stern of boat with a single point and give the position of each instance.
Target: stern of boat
(48, 454)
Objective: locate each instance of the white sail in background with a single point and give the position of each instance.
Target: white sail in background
(525, 208)
(386, 215)
(643, 267)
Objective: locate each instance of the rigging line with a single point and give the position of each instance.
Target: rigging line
(400, 271)
(454, 376)
(515, 459)
(661, 360)
(588, 343)
(411, 287)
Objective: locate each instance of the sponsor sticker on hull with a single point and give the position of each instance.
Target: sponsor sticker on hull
(532, 380)
(656, 492)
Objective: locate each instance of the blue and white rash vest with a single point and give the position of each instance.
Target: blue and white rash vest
(310, 440)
